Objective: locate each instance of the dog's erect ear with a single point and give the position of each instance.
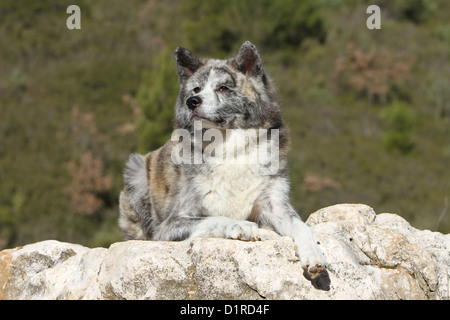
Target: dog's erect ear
(248, 60)
(187, 63)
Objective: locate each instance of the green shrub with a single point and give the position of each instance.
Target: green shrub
(218, 27)
(293, 21)
(399, 124)
(156, 98)
(416, 11)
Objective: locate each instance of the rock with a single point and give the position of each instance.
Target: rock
(358, 213)
(369, 257)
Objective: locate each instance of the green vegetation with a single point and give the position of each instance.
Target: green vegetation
(157, 94)
(368, 110)
(399, 123)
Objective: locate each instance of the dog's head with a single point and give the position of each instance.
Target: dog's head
(234, 93)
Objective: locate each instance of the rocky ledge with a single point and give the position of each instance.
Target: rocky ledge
(369, 256)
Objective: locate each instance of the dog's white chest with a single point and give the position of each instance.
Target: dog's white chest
(230, 186)
(231, 189)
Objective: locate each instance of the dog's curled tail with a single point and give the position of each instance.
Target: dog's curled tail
(134, 201)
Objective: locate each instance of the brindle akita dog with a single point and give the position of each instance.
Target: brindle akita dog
(171, 200)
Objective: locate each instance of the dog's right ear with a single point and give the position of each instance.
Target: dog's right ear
(187, 63)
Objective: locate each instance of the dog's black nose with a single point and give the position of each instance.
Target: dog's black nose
(194, 102)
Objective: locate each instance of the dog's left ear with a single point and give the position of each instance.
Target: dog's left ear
(187, 63)
(248, 60)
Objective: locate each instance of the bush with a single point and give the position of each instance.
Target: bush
(156, 98)
(378, 74)
(416, 11)
(399, 123)
(218, 27)
(293, 21)
(88, 184)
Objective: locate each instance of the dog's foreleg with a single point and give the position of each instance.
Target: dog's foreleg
(183, 227)
(277, 212)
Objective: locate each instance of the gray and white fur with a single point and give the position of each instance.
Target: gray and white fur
(167, 201)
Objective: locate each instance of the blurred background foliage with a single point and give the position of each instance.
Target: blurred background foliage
(368, 110)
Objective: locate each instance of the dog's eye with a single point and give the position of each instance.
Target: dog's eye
(197, 89)
(223, 89)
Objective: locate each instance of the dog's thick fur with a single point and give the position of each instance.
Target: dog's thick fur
(163, 200)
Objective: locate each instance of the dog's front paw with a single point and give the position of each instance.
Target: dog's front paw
(242, 230)
(312, 259)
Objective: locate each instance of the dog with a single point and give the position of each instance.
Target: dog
(186, 189)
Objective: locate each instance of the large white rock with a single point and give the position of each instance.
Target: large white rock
(369, 257)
